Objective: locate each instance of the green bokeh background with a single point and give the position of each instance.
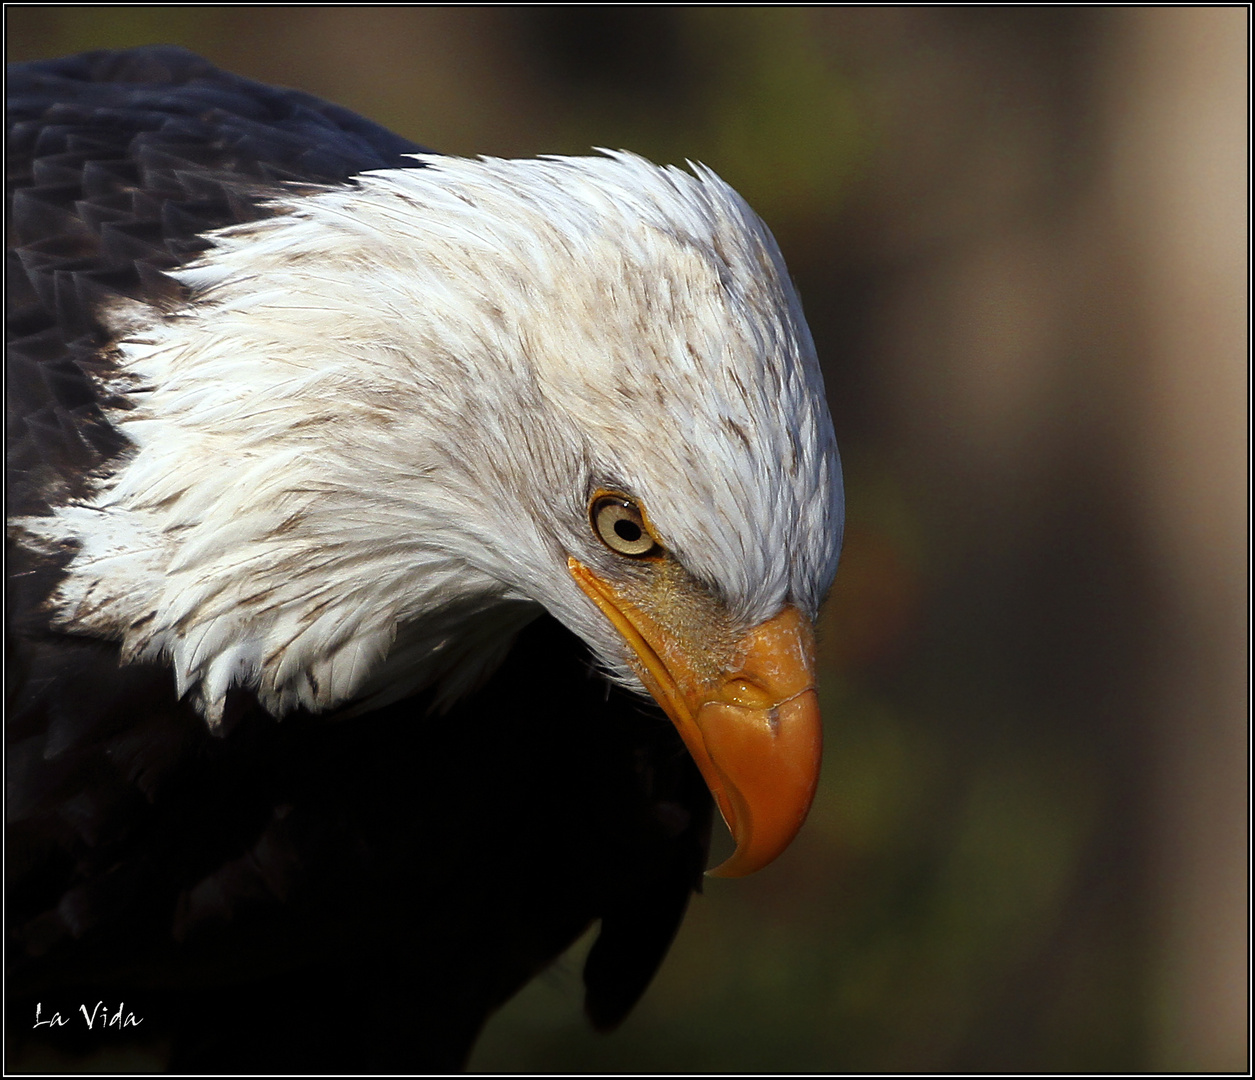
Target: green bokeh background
(979, 887)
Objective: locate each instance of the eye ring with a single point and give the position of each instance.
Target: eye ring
(620, 525)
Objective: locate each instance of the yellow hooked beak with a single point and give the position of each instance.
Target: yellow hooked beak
(753, 729)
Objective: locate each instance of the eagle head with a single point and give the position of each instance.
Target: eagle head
(396, 419)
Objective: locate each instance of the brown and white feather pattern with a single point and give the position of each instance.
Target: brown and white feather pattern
(363, 448)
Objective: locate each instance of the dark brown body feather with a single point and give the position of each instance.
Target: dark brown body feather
(314, 894)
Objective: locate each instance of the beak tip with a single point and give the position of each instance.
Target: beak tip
(768, 781)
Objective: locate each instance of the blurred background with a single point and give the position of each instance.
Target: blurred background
(1021, 238)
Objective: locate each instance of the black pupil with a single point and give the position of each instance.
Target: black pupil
(627, 530)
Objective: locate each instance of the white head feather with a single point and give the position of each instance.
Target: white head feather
(373, 430)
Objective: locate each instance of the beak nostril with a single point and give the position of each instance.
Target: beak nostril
(747, 694)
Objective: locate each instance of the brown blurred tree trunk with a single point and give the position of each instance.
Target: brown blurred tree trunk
(1177, 103)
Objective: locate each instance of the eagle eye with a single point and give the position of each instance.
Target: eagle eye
(620, 525)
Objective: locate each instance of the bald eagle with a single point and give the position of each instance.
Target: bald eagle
(364, 505)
